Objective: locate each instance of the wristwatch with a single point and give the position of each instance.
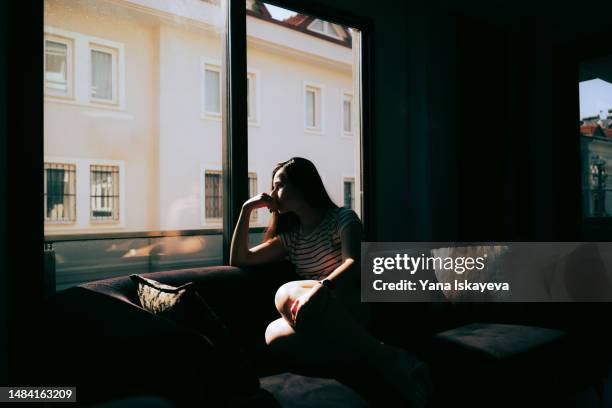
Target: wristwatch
(328, 283)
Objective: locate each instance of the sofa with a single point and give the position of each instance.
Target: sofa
(99, 339)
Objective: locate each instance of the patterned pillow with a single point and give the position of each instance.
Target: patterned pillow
(157, 297)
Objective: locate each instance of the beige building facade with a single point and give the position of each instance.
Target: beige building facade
(132, 113)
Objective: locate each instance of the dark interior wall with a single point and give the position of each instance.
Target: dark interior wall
(3, 177)
(21, 176)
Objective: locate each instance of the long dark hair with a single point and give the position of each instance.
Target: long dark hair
(304, 177)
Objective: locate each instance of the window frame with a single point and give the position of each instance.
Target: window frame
(206, 222)
(346, 178)
(114, 52)
(254, 99)
(326, 24)
(49, 221)
(69, 42)
(211, 65)
(111, 221)
(345, 94)
(319, 90)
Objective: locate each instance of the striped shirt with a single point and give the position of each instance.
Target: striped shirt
(317, 254)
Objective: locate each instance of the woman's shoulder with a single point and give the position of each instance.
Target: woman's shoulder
(345, 216)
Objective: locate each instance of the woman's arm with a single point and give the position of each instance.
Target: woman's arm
(346, 276)
(269, 251)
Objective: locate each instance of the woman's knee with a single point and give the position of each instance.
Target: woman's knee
(286, 295)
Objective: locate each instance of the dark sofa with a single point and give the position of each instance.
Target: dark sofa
(481, 354)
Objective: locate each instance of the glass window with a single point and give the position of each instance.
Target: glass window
(312, 108)
(317, 25)
(595, 93)
(212, 90)
(253, 190)
(213, 185)
(251, 97)
(298, 126)
(347, 114)
(349, 193)
(104, 194)
(103, 78)
(58, 62)
(60, 192)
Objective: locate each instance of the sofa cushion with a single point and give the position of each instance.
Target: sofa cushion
(498, 341)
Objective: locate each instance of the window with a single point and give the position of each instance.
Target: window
(58, 66)
(213, 195)
(212, 90)
(349, 192)
(595, 104)
(103, 74)
(324, 27)
(347, 113)
(104, 193)
(313, 109)
(60, 192)
(252, 113)
(252, 192)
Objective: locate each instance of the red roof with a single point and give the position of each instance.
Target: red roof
(588, 130)
(296, 20)
(595, 130)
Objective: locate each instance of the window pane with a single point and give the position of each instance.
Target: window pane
(101, 75)
(595, 90)
(150, 62)
(60, 192)
(248, 97)
(347, 116)
(317, 25)
(297, 95)
(310, 109)
(213, 103)
(56, 66)
(104, 195)
(252, 192)
(214, 196)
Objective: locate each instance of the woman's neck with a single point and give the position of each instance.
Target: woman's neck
(310, 218)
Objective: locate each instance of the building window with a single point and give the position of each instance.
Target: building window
(58, 66)
(252, 193)
(325, 28)
(213, 193)
(103, 74)
(313, 109)
(349, 192)
(60, 192)
(252, 97)
(347, 113)
(104, 193)
(212, 90)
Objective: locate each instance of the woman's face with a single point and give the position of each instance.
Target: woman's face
(286, 195)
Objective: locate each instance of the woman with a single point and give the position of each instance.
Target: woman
(323, 324)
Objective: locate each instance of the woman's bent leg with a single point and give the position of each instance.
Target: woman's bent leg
(335, 336)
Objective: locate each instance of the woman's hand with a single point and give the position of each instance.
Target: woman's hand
(310, 305)
(260, 201)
